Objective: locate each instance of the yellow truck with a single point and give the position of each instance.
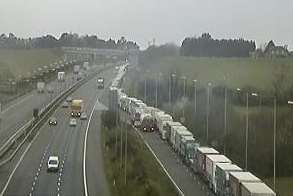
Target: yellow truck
(76, 107)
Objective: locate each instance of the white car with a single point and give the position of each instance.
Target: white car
(73, 122)
(69, 99)
(83, 116)
(53, 163)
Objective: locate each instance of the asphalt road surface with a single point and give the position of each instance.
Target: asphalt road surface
(20, 111)
(31, 176)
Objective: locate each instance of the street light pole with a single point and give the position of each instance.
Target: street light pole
(184, 91)
(156, 92)
(275, 130)
(208, 111)
(170, 80)
(194, 81)
(246, 133)
(145, 84)
(125, 165)
(225, 121)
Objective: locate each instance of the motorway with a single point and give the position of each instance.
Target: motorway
(188, 182)
(31, 176)
(20, 111)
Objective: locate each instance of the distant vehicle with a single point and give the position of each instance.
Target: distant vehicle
(73, 122)
(65, 104)
(86, 66)
(69, 99)
(52, 121)
(61, 76)
(100, 82)
(53, 163)
(40, 87)
(79, 76)
(83, 116)
(76, 107)
(50, 89)
(147, 124)
(76, 69)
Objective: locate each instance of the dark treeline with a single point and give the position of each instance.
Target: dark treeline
(207, 46)
(153, 53)
(10, 41)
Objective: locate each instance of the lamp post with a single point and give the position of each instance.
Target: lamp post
(247, 129)
(194, 82)
(173, 75)
(208, 111)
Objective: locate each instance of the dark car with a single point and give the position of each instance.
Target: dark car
(52, 121)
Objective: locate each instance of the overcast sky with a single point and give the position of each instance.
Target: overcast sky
(143, 20)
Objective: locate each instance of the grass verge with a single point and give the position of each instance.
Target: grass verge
(144, 175)
(284, 185)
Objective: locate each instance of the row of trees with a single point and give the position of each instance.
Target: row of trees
(207, 46)
(153, 53)
(10, 41)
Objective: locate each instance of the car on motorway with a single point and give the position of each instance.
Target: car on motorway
(69, 99)
(53, 164)
(52, 121)
(65, 104)
(73, 122)
(83, 116)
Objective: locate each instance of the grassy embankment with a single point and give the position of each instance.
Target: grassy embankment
(240, 72)
(144, 175)
(19, 62)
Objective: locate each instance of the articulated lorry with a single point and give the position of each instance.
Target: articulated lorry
(41, 87)
(61, 76)
(77, 106)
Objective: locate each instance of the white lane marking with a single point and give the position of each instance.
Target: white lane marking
(160, 163)
(85, 147)
(11, 137)
(17, 103)
(18, 163)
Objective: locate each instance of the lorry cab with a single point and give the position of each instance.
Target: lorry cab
(100, 82)
(76, 107)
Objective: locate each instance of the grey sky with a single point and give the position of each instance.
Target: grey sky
(142, 20)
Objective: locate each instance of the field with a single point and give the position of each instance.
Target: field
(19, 62)
(284, 185)
(239, 72)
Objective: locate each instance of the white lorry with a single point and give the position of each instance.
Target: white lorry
(161, 121)
(61, 76)
(41, 87)
(76, 69)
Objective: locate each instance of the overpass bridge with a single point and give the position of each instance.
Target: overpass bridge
(93, 54)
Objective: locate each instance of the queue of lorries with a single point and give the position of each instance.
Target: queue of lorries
(223, 177)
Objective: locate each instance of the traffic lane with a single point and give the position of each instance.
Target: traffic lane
(49, 183)
(25, 174)
(189, 183)
(46, 183)
(25, 170)
(15, 117)
(6, 170)
(96, 177)
(12, 119)
(73, 174)
(72, 183)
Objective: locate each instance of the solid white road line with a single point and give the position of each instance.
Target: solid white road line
(18, 163)
(160, 163)
(85, 148)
